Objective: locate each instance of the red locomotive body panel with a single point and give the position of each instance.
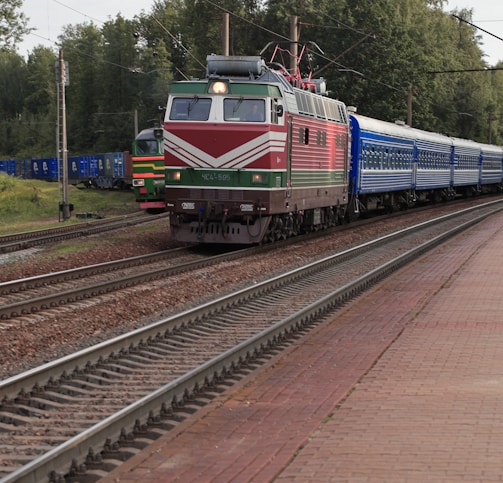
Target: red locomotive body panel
(225, 146)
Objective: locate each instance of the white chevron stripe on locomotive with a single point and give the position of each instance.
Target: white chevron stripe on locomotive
(239, 157)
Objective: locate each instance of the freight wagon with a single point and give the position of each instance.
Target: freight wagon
(103, 171)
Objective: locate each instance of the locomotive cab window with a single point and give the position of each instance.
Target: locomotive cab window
(144, 147)
(190, 109)
(244, 110)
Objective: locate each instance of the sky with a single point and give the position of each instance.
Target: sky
(487, 15)
(49, 17)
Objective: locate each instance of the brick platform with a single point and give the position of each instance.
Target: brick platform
(404, 384)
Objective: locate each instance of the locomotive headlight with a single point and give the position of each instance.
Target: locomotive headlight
(259, 178)
(138, 182)
(174, 175)
(218, 87)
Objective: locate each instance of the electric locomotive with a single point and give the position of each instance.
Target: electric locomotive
(253, 153)
(148, 170)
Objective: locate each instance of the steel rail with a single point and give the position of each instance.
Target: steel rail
(114, 427)
(42, 374)
(28, 283)
(18, 241)
(78, 294)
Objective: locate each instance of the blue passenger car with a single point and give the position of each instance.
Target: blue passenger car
(433, 157)
(491, 166)
(466, 163)
(382, 162)
(382, 155)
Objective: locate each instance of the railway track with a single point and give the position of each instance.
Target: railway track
(46, 292)
(73, 418)
(36, 294)
(25, 240)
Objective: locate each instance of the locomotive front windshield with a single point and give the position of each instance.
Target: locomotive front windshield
(247, 110)
(235, 109)
(144, 147)
(190, 109)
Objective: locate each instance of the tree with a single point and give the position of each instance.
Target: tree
(12, 24)
(12, 92)
(372, 52)
(118, 99)
(40, 105)
(82, 47)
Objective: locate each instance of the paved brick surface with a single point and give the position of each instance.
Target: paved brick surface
(404, 384)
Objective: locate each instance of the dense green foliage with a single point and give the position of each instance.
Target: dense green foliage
(12, 23)
(371, 53)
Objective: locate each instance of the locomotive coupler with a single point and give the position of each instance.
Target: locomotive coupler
(215, 211)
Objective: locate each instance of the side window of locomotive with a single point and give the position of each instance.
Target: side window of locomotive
(244, 110)
(190, 109)
(304, 135)
(321, 139)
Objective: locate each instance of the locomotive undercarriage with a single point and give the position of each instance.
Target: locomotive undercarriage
(237, 217)
(219, 227)
(286, 225)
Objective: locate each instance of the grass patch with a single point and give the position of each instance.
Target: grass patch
(33, 204)
(68, 247)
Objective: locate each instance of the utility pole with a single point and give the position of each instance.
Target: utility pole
(490, 136)
(294, 38)
(225, 35)
(410, 92)
(62, 81)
